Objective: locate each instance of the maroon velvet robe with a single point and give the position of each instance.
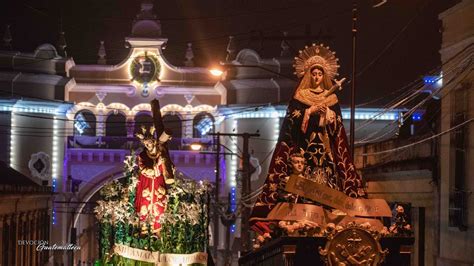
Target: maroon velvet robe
(326, 152)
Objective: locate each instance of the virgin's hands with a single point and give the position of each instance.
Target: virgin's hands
(317, 108)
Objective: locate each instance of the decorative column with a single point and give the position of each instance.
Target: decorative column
(24, 236)
(43, 225)
(27, 236)
(188, 125)
(15, 239)
(100, 115)
(189, 56)
(102, 54)
(6, 239)
(130, 127)
(34, 236)
(31, 235)
(9, 240)
(100, 127)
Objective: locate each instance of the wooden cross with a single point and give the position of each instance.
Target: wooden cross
(160, 132)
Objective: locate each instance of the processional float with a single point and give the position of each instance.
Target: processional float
(153, 216)
(313, 208)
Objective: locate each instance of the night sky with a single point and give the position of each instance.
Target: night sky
(397, 42)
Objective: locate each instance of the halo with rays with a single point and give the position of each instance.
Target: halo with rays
(316, 55)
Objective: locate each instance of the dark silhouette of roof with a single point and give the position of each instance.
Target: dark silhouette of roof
(9, 176)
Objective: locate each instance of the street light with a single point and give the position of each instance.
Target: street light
(196, 146)
(216, 72)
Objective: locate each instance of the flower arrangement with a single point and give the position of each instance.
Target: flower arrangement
(306, 228)
(184, 223)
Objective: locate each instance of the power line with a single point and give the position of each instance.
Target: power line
(393, 41)
(420, 141)
(464, 70)
(224, 115)
(273, 28)
(244, 109)
(412, 96)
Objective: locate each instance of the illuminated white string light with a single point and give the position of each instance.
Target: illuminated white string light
(12, 140)
(346, 114)
(233, 175)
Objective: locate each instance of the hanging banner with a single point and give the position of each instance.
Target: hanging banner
(182, 259)
(297, 212)
(160, 259)
(338, 200)
(136, 254)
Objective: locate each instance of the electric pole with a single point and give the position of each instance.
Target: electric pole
(246, 185)
(246, 188)
(218, 183)
(353, 81)
(215, 217)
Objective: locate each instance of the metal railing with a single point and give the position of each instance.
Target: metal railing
(4, 188)
(125, 143)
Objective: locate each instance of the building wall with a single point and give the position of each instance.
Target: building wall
(5, 122)
(23, 217)
(455, 242)
(404, 176)
(34, 133)
(132, 101)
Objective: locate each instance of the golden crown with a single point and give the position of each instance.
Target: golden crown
(316, 55)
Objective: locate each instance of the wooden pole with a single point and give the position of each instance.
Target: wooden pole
(353, 82)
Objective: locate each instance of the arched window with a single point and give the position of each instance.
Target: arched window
(115, 125)
(84, 123)
(173, 122)
(142, 119)
(203, 123)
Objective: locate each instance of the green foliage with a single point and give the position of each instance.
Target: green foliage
(105, 242)
(184, 224)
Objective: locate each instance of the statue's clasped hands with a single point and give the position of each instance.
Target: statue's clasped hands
(317, 108)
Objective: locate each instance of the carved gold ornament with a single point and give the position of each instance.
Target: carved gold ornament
(353, 246)
(316, 55)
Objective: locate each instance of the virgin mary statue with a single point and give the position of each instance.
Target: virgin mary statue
(312, 142)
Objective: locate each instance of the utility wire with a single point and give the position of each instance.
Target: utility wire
(464, 70)
(244, 109)
(420, 141)
(468, 59)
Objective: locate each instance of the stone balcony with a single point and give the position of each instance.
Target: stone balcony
(96, 160)
(117, 156)
(126, 143)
